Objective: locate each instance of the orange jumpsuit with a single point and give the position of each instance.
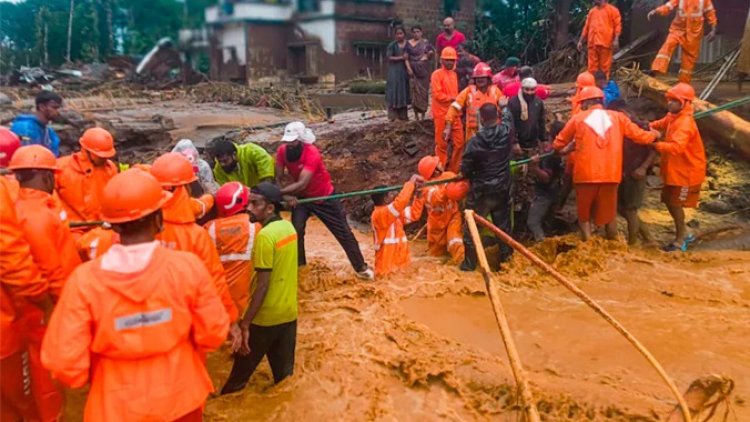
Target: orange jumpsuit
(202, 205)
(20, 280)
(602, 28)
(80, 186)
(54, 252)
(598, 136)
(12, 185)
(52, 245)
(96, 242)
(136, 326)
(444, 224)
(470, 100)
(389, 239)
(234, 237)
(687, 32)
(181, 233)
(683, 158)
(444, 87)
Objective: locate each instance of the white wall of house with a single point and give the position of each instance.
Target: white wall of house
(233, 36)
(254, 11)
(324, 30)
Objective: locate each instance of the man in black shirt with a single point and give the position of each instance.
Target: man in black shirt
(486, 163)
(548, 172)
(528, 116)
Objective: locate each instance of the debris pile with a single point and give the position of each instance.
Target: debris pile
(288, 100)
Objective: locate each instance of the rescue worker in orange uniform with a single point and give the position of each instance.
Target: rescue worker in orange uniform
(583, 80)
(444, 87)
(598, 136)
(471, 99)
(389, 238)
(683, 160)
(43, 223)
(9, 143)
(42, 219)
(686, 31)
(444, 224)
(136, 322)
(84, 174)
(602, 34)
(20, 281)
(234, 235)
(175, 172)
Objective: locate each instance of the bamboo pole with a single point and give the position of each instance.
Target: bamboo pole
(519, 374)
(596, 307)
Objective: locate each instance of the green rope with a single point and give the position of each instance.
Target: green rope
(696, 115)
(723, 107)
(399, 187)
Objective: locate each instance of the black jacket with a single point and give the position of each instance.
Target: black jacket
(486, 159)
(533, 130)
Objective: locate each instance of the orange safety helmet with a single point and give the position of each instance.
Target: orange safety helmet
(232, 198)
(34, 157)
(590, 93)
(449, 53)
(482, 70)
(682, 92)
(9, 143)
(173, 169)
(585, 79)
(132, 195)
(427, 166)
(456, 191)
(99, 142)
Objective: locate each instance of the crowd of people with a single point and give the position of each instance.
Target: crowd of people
(183, 254)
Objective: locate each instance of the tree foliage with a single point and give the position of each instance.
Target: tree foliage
(526, 29)
(34, 32)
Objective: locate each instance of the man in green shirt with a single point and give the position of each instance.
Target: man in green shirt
(248, 164)
(269, 327)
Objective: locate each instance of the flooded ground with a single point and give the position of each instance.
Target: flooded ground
(423, 344)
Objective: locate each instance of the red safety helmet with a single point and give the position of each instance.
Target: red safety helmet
(427, 165)
(456, 191)
(590, 93)
(585, 79)
(482, 70)
(682, 92)
(9, 143)
(99, 142)
(33, 157)
(232, 198)
(132, 195)
(173, 169)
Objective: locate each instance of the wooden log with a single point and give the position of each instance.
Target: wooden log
(724, 127)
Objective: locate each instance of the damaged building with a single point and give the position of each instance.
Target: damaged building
(251, 40)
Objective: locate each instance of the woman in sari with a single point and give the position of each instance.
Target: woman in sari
(397, 84)
(419, 53)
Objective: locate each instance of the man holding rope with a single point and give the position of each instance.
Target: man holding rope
(303, 162)
(486, 163)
